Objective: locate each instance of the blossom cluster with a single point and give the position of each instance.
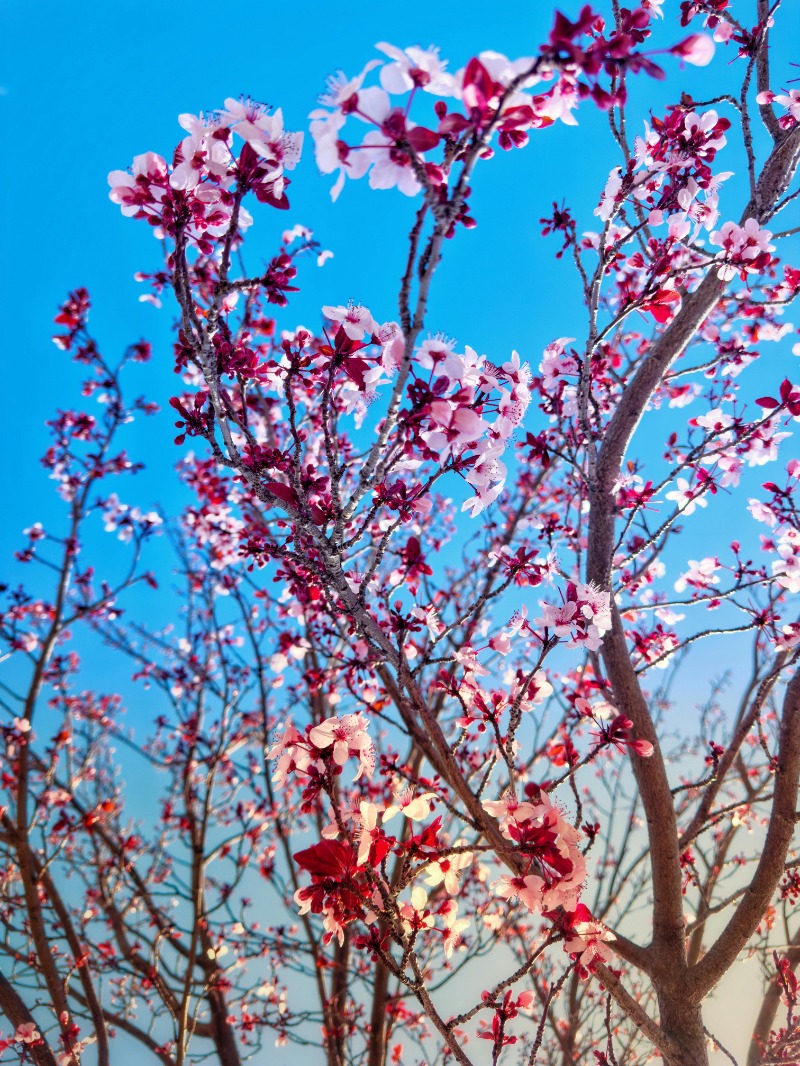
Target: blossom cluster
(716, 17)
(670, 174)
(551, 846)
(454, 402)
(559, 396)
(784, 541)
(789, 101)
(482, 705)
(700, 577)
(334, 740)
(786, 569)
(199, 196)
(354, 357)
(348, 881)
(557, 869)
(743, 249)
(583, 616)
(128, 521)
(462, 409)
(393, 150)
(490, 94)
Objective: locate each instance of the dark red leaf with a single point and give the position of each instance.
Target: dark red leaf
(329, 858)
(422, 139)
(283, 492)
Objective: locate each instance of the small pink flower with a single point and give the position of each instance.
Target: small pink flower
(446, 870)
(528, 890)
(454, 926)
(368, 831)
(501, 643)
(355, 320)
(697, 50)
(417, 808)
(346, 736)
(27, 1033)
(643, 748)
(415, 68)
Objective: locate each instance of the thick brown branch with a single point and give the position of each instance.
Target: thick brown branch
(14, 1008)
(634, 1010)
(651, 776)
(769, 871)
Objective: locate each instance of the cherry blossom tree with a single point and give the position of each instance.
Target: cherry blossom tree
(422, 785)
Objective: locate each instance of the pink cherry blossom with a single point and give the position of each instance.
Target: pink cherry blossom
(139, 190)
(745, 249)
(701, 575)
(697, 50)
(355, 319)
(368, 830)
(527, 889)
(415, 68)
(416, 808)
(346, 736)
(453, 926)
(27, 1033)
(445, 871)
(686, 497)
(790, 101)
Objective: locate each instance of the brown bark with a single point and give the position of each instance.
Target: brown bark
(14, 1008)
(745, 919)
(682, 1022)
(338, 1037)
(85, 974)
(376, 1053)
(222, 1032)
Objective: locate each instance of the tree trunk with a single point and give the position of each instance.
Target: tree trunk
(376, 1055)
(16, 1011)
(682, 1022)
(224, 1036)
